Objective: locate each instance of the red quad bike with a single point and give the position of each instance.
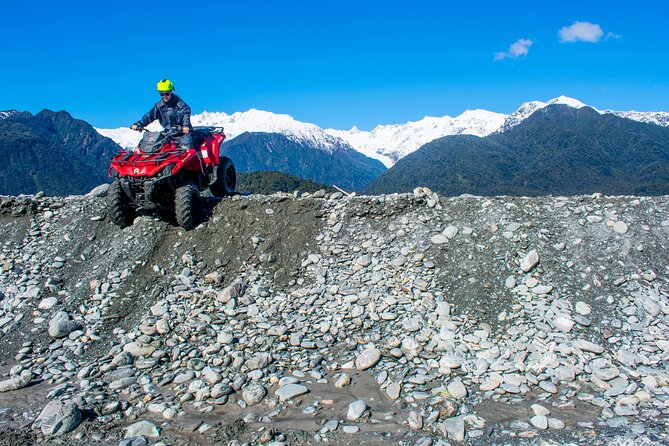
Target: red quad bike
(161, 176)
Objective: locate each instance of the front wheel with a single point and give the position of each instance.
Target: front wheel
(121, 211)
(185, 205)
(226, 179)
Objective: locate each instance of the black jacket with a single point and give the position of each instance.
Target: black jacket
(171, 114)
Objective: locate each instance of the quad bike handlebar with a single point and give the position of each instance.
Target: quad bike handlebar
(169, 132)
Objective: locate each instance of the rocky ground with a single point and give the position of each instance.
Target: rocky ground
(333, 319)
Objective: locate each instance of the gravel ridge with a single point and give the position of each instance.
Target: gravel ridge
(296, 319)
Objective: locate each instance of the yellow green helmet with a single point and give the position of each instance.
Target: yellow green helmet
(165, 85)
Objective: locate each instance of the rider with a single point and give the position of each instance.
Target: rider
(172, 113)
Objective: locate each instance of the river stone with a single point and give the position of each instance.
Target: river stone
(439, 239)
(224, 338)
(617, 422)
(563, 323)
(234, 290)
(450, 232)
(529, 261)
(415, 421)
(288, 380)
(490, 384)
(59, 418)
(47, 303)
(454, 428)
(588, 346)
(530, 281)
(61, 325)
(158, 310)
(548, 386)
(606, 373)
(254, 393)
(583, 309)
(122, 383)
(554, 423)
(142, 429)
(98, 191)
(456, 389)
(448, 408)
(412, 324)
(184, 377)
(343, 381)
(510, 282)
(399, 261)
(331, 425)
(393, 390)
(542, 289)
(539, 421)
(355, 410)
(156, 407)
(565, 373)
(162, 326)
(538, 409)
(211, 376)
(137, 349)
(259, 361)
(367, 359)
(290, 391)
(649, 305)
(620, 227)
(18, 382)
(627, 357)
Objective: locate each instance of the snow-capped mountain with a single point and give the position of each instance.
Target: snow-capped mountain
(267, 122)
(386, 143)
(250, 121)
(389, 143)
(527, 108)
(657, 118)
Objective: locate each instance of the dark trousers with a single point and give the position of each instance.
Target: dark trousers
(186, 141)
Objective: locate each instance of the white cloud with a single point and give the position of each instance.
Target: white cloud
(517, 49)
(581, 32)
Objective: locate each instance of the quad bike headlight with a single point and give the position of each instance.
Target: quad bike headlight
(113, 173)
(167, 171)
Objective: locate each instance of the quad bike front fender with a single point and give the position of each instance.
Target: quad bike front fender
(125, 185)
(192, 162)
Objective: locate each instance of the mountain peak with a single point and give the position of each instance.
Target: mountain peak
(566, 100)
(527, 108)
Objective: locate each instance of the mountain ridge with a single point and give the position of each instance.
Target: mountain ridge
(386, 143)
(53, 152)
(557, 150)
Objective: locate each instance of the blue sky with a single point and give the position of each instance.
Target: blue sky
(335, 64)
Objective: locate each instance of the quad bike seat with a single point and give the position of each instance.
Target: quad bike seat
(198, 137)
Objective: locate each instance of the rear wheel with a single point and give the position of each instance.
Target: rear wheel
(121, 211)
(226, 179)
(186, 201)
